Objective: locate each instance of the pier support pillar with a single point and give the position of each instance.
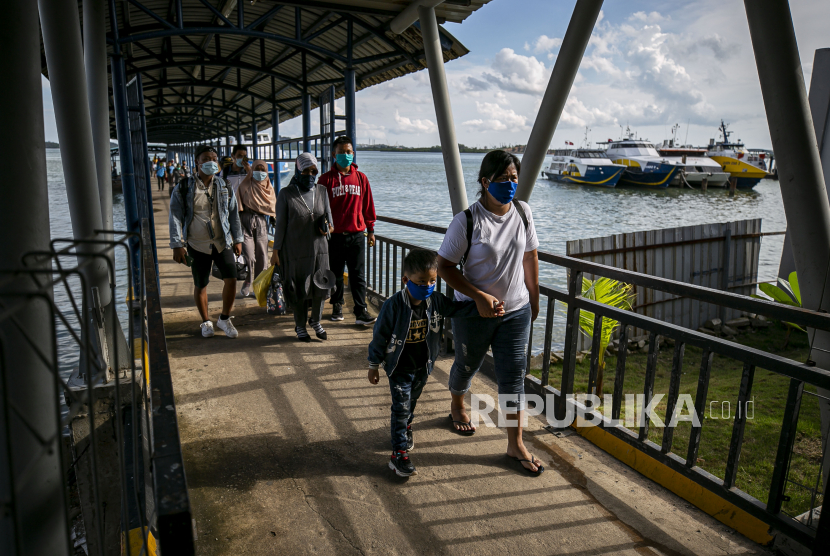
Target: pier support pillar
(803, 189)
(275, 149)
(95, 62)
(559, 87)
(34, 519)
(306, 121)
(443, 109)
(351, 117)
(65, 59)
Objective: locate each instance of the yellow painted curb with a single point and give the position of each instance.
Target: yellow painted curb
(136, 540)
(722, 510)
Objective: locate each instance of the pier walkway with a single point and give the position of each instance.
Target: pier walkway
(286, 447)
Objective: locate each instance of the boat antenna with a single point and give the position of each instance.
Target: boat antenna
(686, 140)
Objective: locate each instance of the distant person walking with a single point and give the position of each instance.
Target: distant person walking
(205, 230)
(234, 173)
(353, 210)
(257, 205)
(160, 176)
(300, 245)
(501, 260)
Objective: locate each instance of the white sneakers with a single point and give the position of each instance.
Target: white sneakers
(246, 289)
(225, 326)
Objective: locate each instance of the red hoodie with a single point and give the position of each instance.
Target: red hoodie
(350, 198)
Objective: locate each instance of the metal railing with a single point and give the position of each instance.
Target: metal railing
(384, 268)
(116, 429)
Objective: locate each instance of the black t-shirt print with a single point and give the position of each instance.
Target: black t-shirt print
(415, 351)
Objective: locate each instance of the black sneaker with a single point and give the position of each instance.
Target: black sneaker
(365, 318)
(401, 464)
(337, 312)
(410, 441)
(318, 329)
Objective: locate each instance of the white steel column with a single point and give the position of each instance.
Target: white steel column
(443, 108)
(559, 87)
(33, 520)
(803, 189)
(95, 61)
(61, 28)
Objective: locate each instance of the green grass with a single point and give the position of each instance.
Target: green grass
(769, 394)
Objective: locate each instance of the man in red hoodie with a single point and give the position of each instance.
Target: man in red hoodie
(353, 211)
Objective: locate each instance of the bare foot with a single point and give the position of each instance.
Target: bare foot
(460, 414)
(521, 452)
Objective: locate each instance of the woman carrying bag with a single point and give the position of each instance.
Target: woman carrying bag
(257, 203)
(300, 245)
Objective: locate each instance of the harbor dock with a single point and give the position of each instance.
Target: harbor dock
(285, 447)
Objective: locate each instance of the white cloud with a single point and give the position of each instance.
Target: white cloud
(500, 119)
(652, 17)
(517, 73)
(407, 125)
(370, 131)
(543, 44)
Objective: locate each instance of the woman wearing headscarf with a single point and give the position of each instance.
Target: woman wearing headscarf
(257, 203)
(300, 245)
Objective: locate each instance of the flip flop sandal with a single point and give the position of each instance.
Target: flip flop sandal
(539, 467)
(458, 431)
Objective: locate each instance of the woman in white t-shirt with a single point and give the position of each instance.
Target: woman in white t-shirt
(502, 261)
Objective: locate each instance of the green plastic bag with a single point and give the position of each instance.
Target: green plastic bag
(261, 283)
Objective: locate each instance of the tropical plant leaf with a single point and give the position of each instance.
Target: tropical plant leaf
(776, 293)
(608, 292)
(785, 286)
(795, 287)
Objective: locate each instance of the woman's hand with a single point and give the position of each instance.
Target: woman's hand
(488, 306)
(534, 310)
(374, 377)
(275, 257)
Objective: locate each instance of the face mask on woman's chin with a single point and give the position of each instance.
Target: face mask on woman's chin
(502, 191)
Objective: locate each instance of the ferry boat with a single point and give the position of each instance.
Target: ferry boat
(749, 168)
(583, 167)
(696, 166)
(644, 167)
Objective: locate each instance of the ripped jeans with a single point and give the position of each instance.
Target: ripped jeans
(406, 386)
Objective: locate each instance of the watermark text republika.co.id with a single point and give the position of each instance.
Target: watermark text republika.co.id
(583, 410)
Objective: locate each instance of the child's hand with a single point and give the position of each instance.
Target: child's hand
(499, 309)
(373, 376)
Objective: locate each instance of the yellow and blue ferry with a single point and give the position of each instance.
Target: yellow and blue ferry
(644, 167)
(583, 167)
(748, 168)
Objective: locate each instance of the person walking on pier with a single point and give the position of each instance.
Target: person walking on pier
(205, 229)
(301, 249)
(236, 172)
(405, 341)
(353, 210)
(160, 175)
(257, 204)
(496, 240)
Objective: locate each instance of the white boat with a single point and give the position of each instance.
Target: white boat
(747, 167)
(583, 167)
(696, 166)
(644, 166)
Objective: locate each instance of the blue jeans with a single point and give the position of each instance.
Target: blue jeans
(508, 337)
(406, 387)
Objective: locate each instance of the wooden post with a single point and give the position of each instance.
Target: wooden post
(684, 159)
(704, 184)
(733, 184)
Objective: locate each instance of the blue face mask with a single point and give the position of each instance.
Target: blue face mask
(209, 168)
(238, 162)
(502, 191)
(260, 176)
(344, 160)
(419, 292)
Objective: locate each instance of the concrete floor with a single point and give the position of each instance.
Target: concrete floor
(286, 448)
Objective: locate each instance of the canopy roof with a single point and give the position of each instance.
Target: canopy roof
(209, 66)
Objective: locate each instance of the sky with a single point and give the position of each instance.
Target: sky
(649, 65)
